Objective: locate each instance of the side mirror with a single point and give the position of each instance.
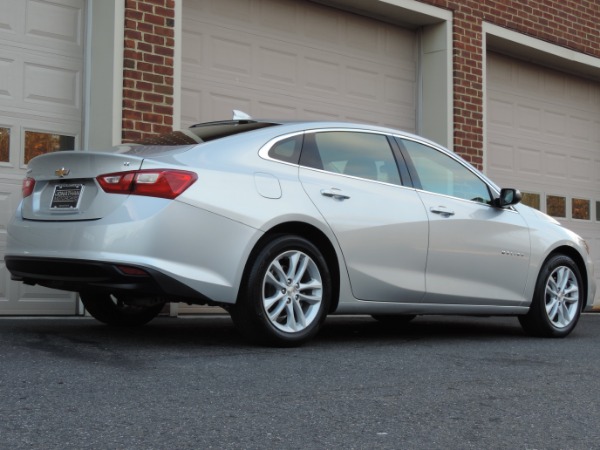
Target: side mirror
(508, 196)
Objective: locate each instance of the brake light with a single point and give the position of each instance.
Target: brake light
(27, 187)
(163, 183)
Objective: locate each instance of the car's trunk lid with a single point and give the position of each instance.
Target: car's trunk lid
(66, 186)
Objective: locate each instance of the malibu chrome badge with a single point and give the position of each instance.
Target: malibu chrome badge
(62, 172)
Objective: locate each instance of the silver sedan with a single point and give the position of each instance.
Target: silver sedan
(284, 223)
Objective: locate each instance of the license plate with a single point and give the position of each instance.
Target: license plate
(66, 196)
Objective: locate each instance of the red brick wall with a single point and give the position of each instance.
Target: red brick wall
(574, 24)
(148, 68)
(149, 41)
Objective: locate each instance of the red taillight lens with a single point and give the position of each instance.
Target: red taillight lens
(28, 186)
(163, 183)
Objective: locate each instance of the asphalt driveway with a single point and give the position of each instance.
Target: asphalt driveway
(191, 383)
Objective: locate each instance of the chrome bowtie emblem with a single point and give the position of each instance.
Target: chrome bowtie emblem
(62, 172)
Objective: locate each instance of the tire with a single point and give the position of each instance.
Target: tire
(394, 319)
(557, 300)
(121, 310)
(285, 295)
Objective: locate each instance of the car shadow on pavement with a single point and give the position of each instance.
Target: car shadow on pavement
(219, 331)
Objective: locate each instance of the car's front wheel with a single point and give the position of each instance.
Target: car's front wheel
(557, 300)
(121, 309)
(286, 293)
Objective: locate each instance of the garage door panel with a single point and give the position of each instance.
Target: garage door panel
(231, 56)
(323, 25)
(278, 66)
(8, 77)
(60, 21)
(11, 19)
(556, 164)
(271, 12)
(399, 91)
(53, 86)
(56, 25)
(555, 123)
(530, 160)
(238, 10)
(529, 118)
(321, 75)
(501, 157)
(37, 82)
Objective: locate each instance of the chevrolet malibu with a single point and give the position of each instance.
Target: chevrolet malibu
(283, 223)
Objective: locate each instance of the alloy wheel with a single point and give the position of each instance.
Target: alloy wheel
(292, 291)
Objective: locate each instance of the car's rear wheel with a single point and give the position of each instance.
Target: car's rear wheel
(286, 293)
(393, 319)
(121, 309)
(557, 300)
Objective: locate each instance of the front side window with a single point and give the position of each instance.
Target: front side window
(441, 174)
(357, 154)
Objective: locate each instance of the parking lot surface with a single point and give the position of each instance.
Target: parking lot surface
(192, 383)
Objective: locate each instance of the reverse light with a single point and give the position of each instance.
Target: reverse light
(162, 183)
(27, 187)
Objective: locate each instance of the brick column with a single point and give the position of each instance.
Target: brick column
(148, 68)
(468, 87)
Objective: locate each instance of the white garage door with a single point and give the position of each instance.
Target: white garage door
(41, 65)
(294, 59)
(544, 138)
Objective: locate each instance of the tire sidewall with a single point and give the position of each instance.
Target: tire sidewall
(538, 307)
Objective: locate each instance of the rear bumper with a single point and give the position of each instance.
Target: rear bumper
(188, 253)
(81, 275)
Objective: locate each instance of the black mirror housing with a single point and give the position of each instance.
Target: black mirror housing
(508, 197)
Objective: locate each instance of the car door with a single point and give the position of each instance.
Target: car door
(353, 179)
(478, 253)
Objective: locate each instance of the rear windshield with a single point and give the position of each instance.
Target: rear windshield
(205, 132)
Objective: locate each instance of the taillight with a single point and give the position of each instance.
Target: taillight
(28, 186)
(163, 183)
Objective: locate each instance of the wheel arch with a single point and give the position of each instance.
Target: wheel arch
(314, 235)
(579, 262)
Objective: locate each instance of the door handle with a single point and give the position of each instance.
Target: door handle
(444, 211)
(334, 193)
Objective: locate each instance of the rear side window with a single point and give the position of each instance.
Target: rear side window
(357, 154)
(287, 150)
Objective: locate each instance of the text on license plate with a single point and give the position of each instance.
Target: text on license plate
(66, 196)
